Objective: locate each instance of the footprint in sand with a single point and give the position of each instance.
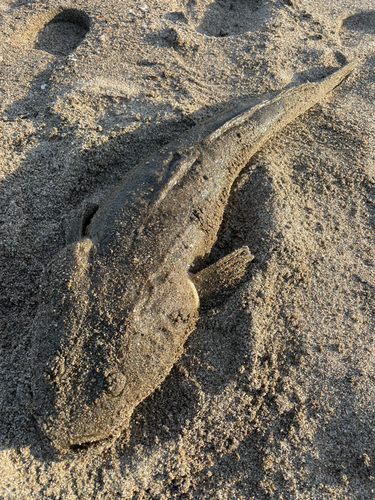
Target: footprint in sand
(358, 29)
(63, 33)
(222, 17)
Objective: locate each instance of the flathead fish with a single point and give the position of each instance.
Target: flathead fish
(120, 301)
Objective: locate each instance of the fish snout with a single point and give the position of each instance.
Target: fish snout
(81, 407)
(84, 424)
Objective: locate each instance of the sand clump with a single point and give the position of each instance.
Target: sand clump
(273, 396)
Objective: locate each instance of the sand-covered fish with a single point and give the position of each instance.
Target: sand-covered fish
(120, 301)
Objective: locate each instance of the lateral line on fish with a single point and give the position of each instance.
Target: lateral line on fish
(183, 167)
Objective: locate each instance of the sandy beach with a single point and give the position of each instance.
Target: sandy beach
(273, 397)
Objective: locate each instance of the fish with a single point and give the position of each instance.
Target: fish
(120, 300)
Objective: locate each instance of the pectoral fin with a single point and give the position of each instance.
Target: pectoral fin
(223, 274)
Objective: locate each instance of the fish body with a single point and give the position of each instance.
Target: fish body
(119, 301)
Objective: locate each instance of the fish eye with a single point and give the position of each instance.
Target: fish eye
(116, 383)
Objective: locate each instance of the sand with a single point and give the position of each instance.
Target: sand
(273, 397)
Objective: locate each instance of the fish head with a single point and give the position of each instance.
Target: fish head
(96, 358)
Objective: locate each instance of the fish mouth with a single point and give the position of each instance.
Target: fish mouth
(98, 440)
(64, 439)
(73, 442)
(78, 443)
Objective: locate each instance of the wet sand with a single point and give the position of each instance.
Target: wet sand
(273, 397)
